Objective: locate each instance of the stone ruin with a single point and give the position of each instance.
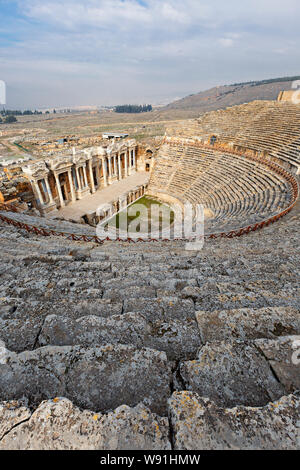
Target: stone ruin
(125, 345)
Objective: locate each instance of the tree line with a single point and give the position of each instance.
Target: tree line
(133, 108)
(17, 112)
(8, 116)
(270, 80)
(8, 119)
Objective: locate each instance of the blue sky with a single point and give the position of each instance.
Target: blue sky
(105, 52)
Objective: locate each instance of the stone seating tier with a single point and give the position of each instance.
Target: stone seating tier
(102, 343)
(262, 126)
(238, 191)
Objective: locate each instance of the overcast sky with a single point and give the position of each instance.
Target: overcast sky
(106, 52)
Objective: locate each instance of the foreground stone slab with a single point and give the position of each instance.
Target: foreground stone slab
(179, 339)
(97, 378)
(283, 355)
(198, 423)
(248, 323)
(59, 425)
(231, 373)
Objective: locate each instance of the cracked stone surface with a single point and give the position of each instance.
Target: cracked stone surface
(179, 339)
(198, 423)
(59, 425)
(12, 413)
(165, 307)
(231, 373)
(283, 355)
(20, 334)
(247, 323)
(97, 378)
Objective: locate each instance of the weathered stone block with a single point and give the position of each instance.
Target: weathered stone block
(247, 323)
(198, 423)
(283, 355)
(179, 339)
(12, 413)
(59, 425)
(98, 378)
(231, 373)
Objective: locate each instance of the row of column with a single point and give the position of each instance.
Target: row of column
(129, 165)
(78, 186)
(112, 168)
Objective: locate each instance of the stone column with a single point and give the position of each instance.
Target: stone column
(61, 199)
(37, 190)
(78, 179)
(71, 183)
(134, 162)
(126, 164)
(91, 175)
(115, 165)
(109, 167)
(81, 177)
(51, 200)
(104, 171)
(84, 176)
(98, 173)
(119, 166)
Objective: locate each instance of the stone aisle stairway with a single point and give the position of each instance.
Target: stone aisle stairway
(148, 345)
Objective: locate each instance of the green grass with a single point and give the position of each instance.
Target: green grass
(146, 202)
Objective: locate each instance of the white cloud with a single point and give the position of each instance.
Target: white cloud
(226, 42)
(155, 47)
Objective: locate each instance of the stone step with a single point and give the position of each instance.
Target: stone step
(179, 339)
(21, 320)
(66, 427)
(246, 323)
(200, 424)
(99, 379)
(231, 373)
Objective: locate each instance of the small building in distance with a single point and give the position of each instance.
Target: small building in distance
(114, 135)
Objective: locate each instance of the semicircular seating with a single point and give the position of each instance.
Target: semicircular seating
(268, 127)
(237, 191)
(232, 178)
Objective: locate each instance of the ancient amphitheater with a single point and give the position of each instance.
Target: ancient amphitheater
(122, 345)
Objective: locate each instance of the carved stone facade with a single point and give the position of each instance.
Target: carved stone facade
(66, 178)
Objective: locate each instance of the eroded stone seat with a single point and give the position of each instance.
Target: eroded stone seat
(99, 378)
(199, 423)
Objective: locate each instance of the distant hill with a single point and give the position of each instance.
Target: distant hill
(230, 95)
